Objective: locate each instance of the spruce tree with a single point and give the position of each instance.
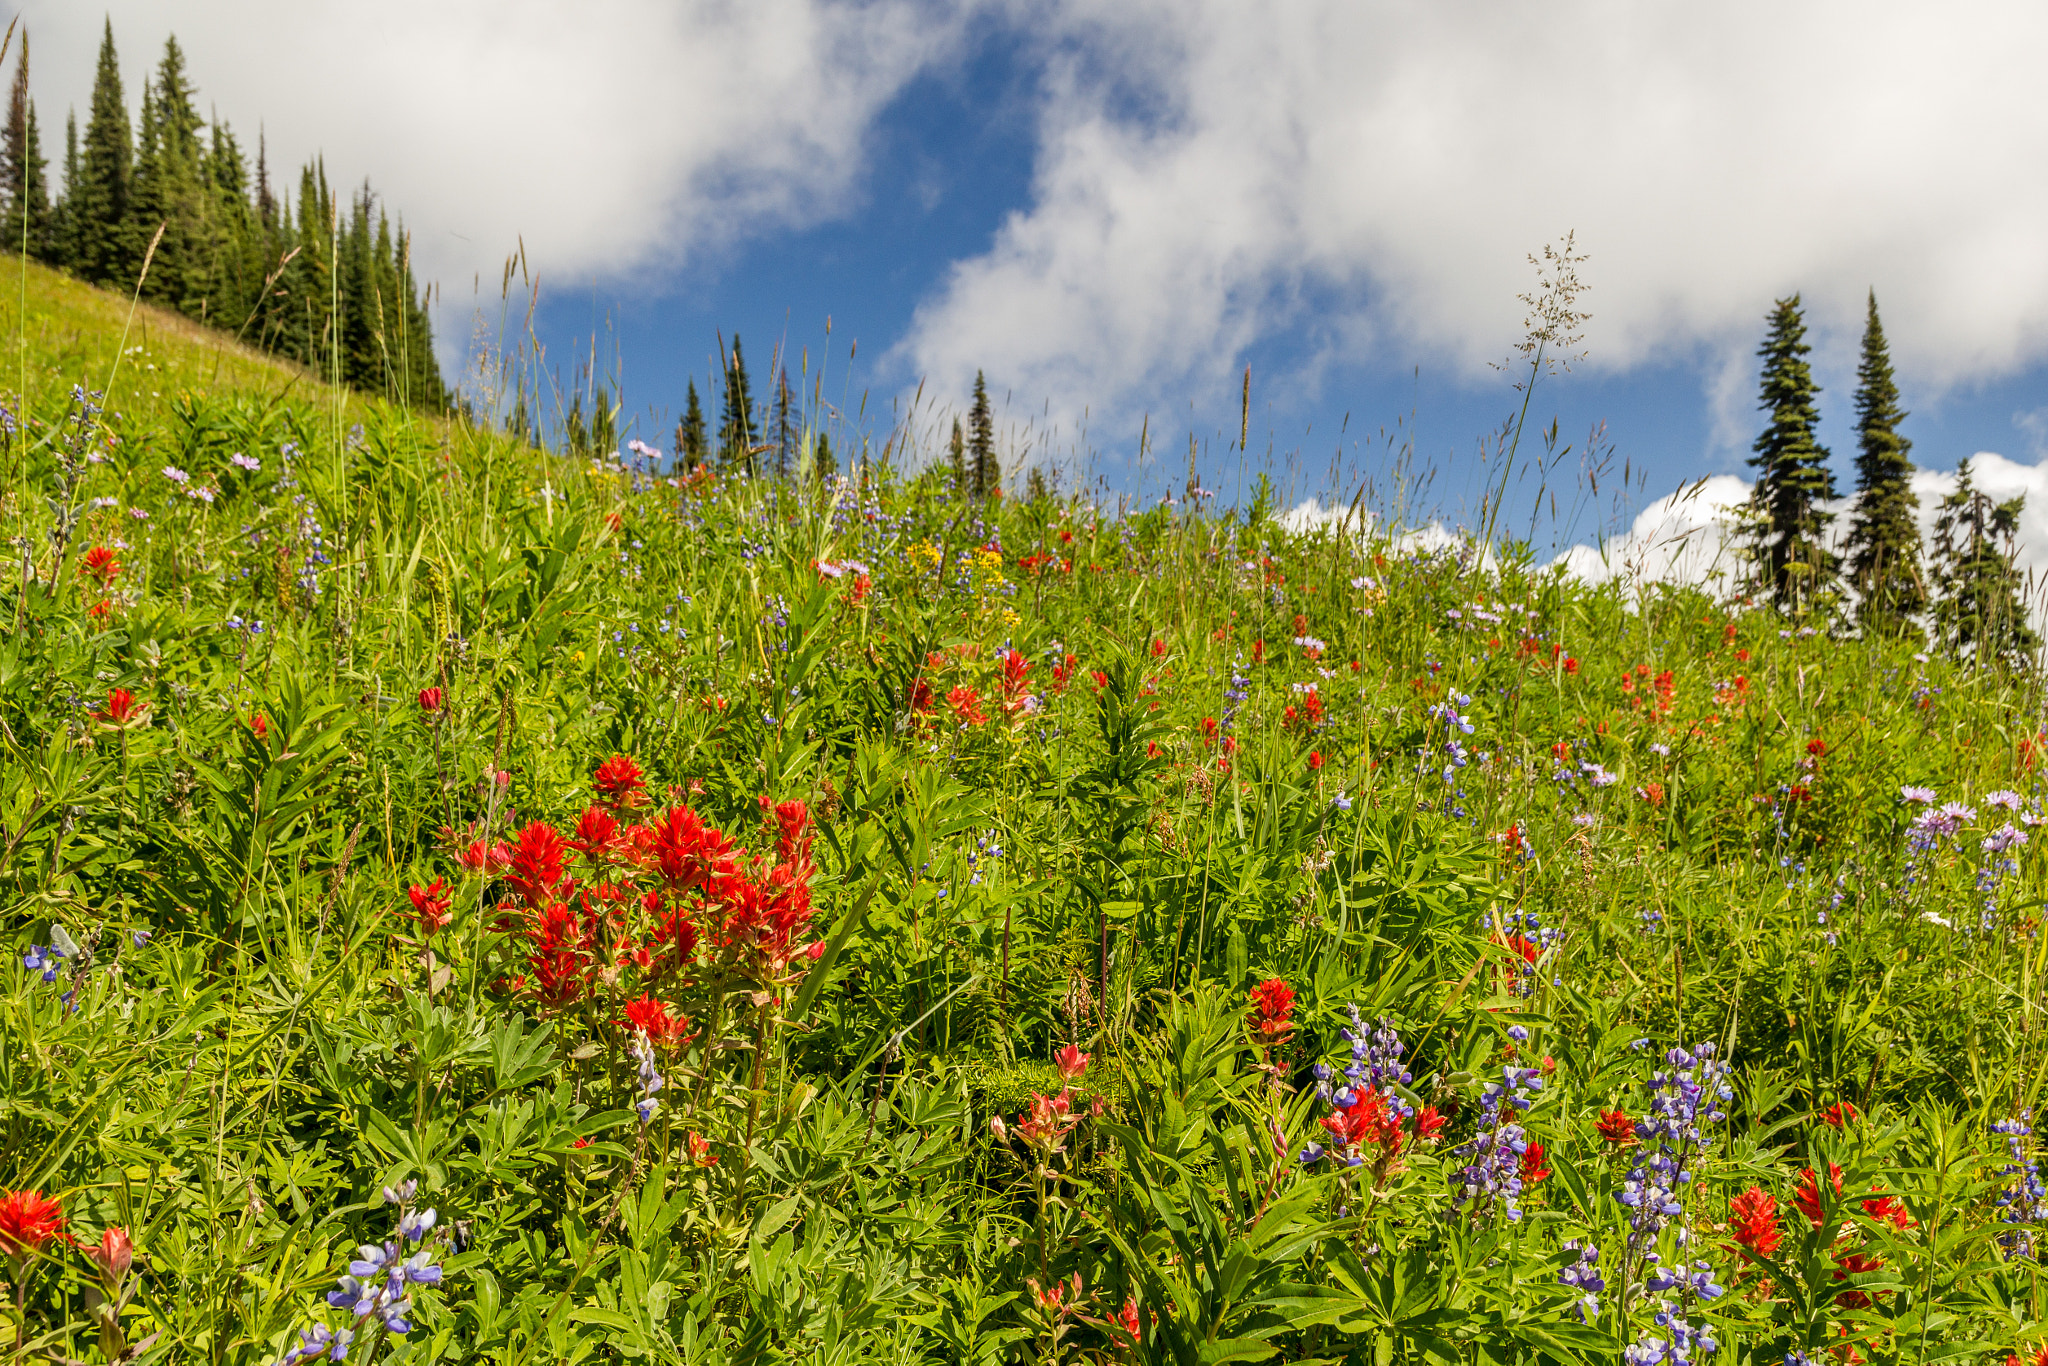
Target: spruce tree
(1785, 524)
(167, 192)
(985, 475)
(690, 444)
(824, 464)
(956, 461)
(1884, 535)
(62, 240)
(604, 430)
(97, 202)
(21, 156)
(736, 425)
(1979, 613)
(787, 435)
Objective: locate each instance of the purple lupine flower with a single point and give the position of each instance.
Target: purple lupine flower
(2023, 1202)
(319, 1341)
(1673, 1136)
(1491, 1178)
(651, 1080)
(1583, 1275)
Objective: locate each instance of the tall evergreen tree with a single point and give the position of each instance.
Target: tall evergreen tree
(1979, 612)
(690, 443)
(27, 224)
(956, 461)
(62, 240)
(1884, 533)
(736, 425)
(787, 421)
(1785, 525)
(97, 202)
(824, 464)
(167, 192)
(984, 474)
(334, 291)
(266, 202)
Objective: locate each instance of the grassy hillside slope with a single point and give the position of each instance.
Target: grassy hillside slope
(58, 331)
(845, 923)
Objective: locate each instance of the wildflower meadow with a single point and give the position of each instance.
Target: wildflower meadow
(475, 904)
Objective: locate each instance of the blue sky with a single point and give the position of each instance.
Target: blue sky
(1113, 206)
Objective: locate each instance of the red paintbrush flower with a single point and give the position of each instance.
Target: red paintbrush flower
(534, 869)
(651, 1017)
(430, 905)
(1840, 1115)
(100, 564)
(1849, 1264)
(598, 837)
(1071, 1061)
(1533, 1169)
(123, 709)
(1807, 1196)
(27, 1221)
(1428, 1123)
(1889, 1209)
(430, 700)
(1753, 1219)
(1272, 1011)
(620, 783)
(966, 705)
(1617, 1128)
(688, 854)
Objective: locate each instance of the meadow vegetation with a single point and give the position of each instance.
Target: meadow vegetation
(474, 904)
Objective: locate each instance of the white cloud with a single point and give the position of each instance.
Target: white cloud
(615, 136)
(1680, 538)
(1207, 167)
(1685, 536)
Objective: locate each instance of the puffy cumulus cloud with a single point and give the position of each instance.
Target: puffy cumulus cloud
(1373, 173)
(613, 135)
(1686, 537)
(1680, 538)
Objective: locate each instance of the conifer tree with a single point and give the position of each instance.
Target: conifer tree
(266, 203)
(21, 158)
(1785, 524)
(1035, 490)
(690, 444)
(604, 431)
(736, 425)
(62, 238)
(1979, 613)
(956, 461)
(333, 291)
(97, 202)
(166, 192)
(824, 464)
(575, 436)
(1884, 535)
(985, 476)
(786, 433)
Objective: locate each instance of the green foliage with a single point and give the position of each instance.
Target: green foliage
(1786, 526)
(1884, 536)
(1074, 788)
(331, 290)
(1980, 611)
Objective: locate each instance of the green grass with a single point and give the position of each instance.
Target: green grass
(989, 882)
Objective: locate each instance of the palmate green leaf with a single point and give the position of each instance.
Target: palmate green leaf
(519, 1058)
